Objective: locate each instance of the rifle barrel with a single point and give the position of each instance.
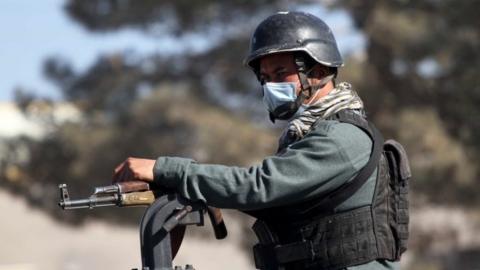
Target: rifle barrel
(91, 202)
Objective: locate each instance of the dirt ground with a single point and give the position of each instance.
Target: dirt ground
(33, 241)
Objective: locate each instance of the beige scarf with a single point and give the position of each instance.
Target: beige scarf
(340, 98)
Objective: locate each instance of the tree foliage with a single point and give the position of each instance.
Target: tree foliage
(423, 56)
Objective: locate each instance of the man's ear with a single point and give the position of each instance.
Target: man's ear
(318, 72)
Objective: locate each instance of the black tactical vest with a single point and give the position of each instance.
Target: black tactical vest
(311, 235)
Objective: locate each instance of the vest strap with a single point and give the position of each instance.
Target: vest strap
(345, 191)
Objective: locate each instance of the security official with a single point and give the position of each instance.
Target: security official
(334, 194)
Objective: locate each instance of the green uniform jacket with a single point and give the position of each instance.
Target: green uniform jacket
(328, 156)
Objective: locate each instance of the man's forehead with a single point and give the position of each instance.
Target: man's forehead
(273, 61)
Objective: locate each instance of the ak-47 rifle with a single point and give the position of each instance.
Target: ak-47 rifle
(166, 211)
(134, 193)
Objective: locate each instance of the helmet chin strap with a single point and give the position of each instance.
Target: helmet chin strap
(287, 110)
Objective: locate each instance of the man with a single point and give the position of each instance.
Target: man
(324, 197)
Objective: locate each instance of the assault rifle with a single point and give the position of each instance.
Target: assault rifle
(160, 233)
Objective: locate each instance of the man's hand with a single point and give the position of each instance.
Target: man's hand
(134, 169)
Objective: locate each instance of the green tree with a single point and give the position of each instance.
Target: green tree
(420, 73)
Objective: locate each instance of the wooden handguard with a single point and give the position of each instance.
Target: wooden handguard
(133, 186)
(218, 224)
(137, 198)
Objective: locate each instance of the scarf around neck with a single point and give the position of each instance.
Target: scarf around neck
(340, 98)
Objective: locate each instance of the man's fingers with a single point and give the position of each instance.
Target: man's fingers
(119, 172)
(118, 168)
(124, 175)
(134, 169)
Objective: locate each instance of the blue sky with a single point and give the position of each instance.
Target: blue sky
(30, 31)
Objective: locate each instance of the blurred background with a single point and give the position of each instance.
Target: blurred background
(85, 84)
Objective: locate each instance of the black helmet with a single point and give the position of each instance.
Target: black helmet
(294, 31)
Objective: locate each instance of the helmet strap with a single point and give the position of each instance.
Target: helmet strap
(302, 76)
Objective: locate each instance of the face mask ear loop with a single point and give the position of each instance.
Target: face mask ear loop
(323, 82)
(302, 76)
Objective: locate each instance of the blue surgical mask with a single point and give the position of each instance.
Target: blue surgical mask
(276, 94)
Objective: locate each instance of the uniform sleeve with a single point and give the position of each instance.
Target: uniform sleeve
(314, 166)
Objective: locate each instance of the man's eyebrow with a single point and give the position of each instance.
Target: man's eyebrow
(278, 69)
